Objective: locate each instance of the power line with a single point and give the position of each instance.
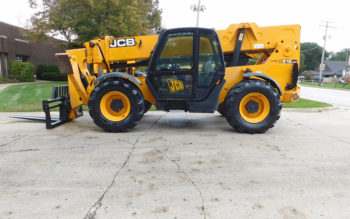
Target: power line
(309, 49)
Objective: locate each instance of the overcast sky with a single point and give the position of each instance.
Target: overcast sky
(310, 14)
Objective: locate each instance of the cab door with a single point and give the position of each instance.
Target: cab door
(186, 64)
(171, 71)
(210, 63)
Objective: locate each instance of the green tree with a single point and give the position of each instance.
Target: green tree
(339, 56)
(78, 21)
(311, 54)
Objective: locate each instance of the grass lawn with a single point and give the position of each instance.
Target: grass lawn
(304, 103)
(26, 97)
(327, 85)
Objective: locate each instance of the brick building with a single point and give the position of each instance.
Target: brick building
(13, 46)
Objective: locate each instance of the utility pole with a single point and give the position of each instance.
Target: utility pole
(198, 8)
(322, 65)
(347, 63)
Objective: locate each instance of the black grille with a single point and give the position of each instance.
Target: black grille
(59, 91)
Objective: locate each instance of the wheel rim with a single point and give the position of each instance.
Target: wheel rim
(115, 106)
(254, 107)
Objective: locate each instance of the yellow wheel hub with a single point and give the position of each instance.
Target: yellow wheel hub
(254, 107)
(115, 106)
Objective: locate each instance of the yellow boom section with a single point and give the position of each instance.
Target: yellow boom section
(141, 49)
(261, 38)
(255, 39)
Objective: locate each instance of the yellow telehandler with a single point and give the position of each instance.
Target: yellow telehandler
(245, 72)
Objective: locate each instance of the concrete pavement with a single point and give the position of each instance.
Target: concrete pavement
(177, 165)
(333, 96)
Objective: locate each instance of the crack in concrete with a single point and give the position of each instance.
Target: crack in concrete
(93, 145)
(25, 150)
(188, 177)
(94, 208)
(98, 204)
(320, 132)
(77, 147)
(20, 137)
(14, 140)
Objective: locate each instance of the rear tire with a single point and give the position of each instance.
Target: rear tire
(253, 106)
(116, 105)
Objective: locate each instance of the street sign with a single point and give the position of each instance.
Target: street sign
(322, 67)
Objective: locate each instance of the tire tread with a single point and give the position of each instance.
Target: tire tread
(135, 98)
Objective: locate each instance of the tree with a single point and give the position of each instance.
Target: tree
(78, 21)
(339, 56)
(311, 54)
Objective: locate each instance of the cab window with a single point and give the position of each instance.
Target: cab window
(209, 59)
(177, 53)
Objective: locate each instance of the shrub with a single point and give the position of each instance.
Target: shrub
(53, 76)
(50, 72)
(9, 79)
(46, 68)
(347, 79)
(23, 70)
(308, 75)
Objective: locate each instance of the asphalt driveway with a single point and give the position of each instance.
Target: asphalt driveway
(177, 165)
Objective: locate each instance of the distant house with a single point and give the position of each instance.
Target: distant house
(13, 46)
(332, 68)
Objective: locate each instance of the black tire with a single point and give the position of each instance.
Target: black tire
(251, 87)
(222, 109)
(148, 106)
(132, 93)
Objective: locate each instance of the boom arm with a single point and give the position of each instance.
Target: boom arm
(257, 40)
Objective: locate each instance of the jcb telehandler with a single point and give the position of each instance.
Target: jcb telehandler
(245, 72)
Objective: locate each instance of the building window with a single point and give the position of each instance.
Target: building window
(21, 58)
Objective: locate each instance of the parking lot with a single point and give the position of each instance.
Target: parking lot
(177, 165)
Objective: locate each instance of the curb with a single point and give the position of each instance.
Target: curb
(332, 88)
(311, 110)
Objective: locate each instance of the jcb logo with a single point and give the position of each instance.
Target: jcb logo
(175, 85)
(122, 43)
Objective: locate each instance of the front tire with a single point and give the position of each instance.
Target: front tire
(116, 105)
(253, 106)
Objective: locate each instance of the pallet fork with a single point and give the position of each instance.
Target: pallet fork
(59, 98)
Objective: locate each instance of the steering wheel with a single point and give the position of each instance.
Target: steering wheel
(206, 74)
(173, 65)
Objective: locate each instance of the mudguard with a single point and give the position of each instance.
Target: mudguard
(117, 75)
(265, 77)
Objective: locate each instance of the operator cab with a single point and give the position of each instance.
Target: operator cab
(186, 70)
